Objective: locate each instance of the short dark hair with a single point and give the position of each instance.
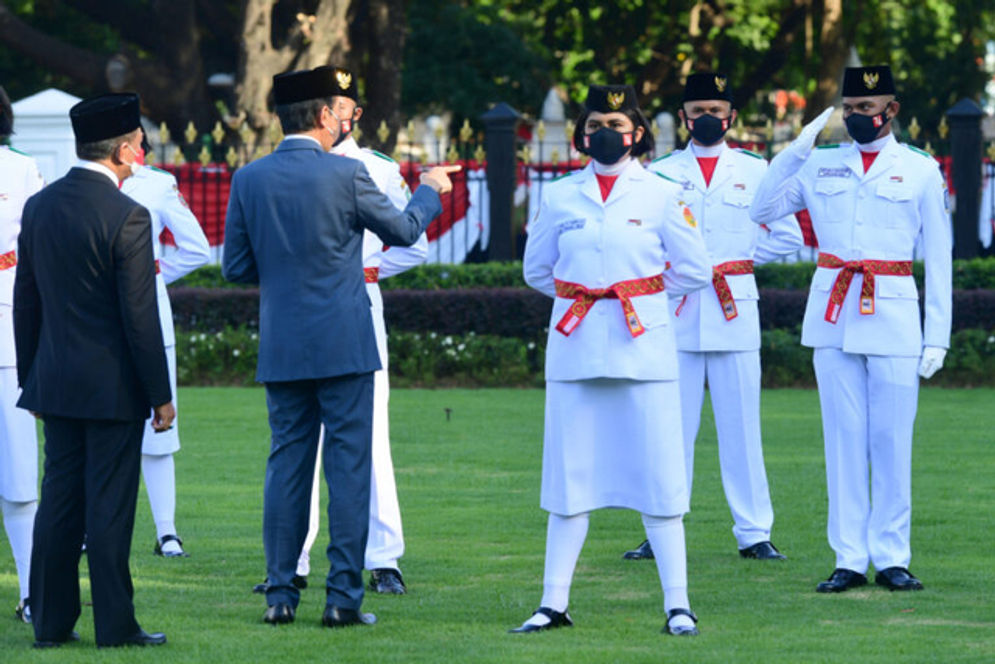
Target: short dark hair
(6, 115)
(97, 150)
(645, 144)
(301, 116)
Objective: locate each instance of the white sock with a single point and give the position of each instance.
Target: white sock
(666, 536)
(159, 473)
(19, 521)
(565, 537)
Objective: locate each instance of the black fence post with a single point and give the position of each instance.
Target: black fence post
(965, 152)
(500, 124)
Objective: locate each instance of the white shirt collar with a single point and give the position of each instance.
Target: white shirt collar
(347, 148)
(98, 168)
(611, 169)
(305, 137)
(876, 145)
(708, 150)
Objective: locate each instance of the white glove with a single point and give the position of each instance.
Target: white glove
(802, 145)
(931, 361)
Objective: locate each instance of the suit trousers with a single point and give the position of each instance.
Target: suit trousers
(868, 412)
(734, 385)
(297, 411)
(90, 487)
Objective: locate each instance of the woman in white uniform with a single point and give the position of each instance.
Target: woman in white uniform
(600, 245)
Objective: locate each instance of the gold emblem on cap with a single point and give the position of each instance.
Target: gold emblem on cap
(720, 84)
(870, 80)
(344, 79)
(615, 100)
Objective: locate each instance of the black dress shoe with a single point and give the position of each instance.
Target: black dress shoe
(300, 582)
(279, 614)
(23, 610)
(72, 638)
(169, 554)
(335, 616)
(642, 552)
(762, 551)
(141, 638)
(387, 581)
(556, 619)
(841, 580)
(897, 578)
(681, 630)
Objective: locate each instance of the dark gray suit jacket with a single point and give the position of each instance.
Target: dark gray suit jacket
(86, 319)
(295, 226)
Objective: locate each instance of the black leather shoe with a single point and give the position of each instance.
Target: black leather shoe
(338, 617)
(762, 551)
(841, 580)
(681, 630)
(279, 614)
(387, 581)
(169, 554)
(642, 552)
(142, 638)
(72, 638)
(897, 578)
(556, 619)
(300, 582)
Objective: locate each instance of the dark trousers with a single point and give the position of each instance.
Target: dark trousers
(344, 404)
(90, 487)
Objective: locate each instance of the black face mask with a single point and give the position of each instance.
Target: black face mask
(345, 129)
(707, 129)
(865, 128)
(607, 146)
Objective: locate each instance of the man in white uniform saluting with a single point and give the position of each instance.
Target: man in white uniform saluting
(870, 201)
(718, 328)
(158, 192)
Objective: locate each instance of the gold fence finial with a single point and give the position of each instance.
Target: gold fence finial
(218, 133)
(914, 129)
(554, 157)
(163, 134)
(479, 154)
(452, 155)
(204, 157)
(682, 133)
(943, 128)
(655, 128)
(568, 130)
(246, 133)
(178, 159)
(541, 130)
(191, 132)
(466, 131)
(383, 131)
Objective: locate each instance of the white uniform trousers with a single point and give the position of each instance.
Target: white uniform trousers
(385, 543)
(18, 444)
(868, 412)
(734, 385)
(167, 442)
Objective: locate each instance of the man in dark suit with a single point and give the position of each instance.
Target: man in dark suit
(295, 226)
(91, 363)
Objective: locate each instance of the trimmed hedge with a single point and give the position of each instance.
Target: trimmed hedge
(228, 357)
(505, 312)
(967, 274)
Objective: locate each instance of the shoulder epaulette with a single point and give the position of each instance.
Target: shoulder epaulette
(669, 179)
(749, 153)
(382, 156)
(565, 175)
(917, 150)
(827, 146)
(669, 154)
(13, 149)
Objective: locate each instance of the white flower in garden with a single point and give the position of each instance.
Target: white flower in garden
(448, 341)
(991, 340)
(193, 338)
(450, 352)
(203, 336)
(532, 345)
(432, 335)
(254, 336)
(236, 352)
(461, 347)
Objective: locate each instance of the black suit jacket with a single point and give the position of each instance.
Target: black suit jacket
(86, 318)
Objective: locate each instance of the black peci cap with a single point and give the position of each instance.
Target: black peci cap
(611, 98)
(707, 85)
(107, 116)
(868, 81)
(295, 86)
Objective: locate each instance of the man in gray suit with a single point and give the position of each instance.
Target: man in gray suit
(295, 226)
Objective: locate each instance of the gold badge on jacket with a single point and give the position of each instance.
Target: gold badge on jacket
(870, 80)
(615, 100)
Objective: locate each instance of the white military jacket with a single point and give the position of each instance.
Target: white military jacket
(577, 238)
(879, 215)
(722, 211)
(158, 192)
(386, 174)
(19, 180)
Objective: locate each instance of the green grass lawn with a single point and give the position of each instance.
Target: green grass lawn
(469, 490)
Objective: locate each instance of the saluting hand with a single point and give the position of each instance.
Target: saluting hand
(163, 416)
(438, 178)
(806, 139)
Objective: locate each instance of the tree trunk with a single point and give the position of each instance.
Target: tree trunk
(834, 47)
(382, 72)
